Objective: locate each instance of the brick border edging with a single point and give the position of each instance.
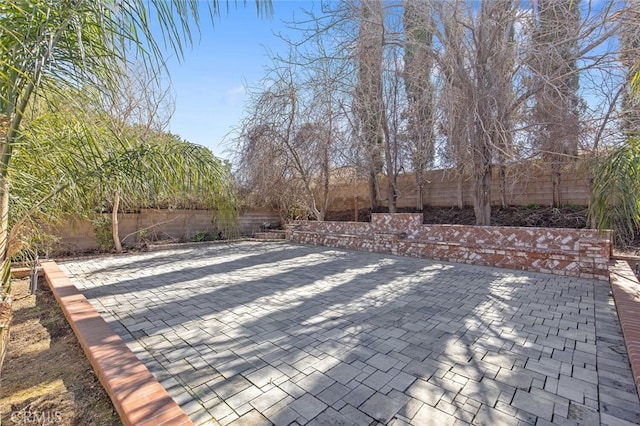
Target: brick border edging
(137, 396)
(626, 293)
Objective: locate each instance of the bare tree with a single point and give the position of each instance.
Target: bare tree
(368, 103)
(629, 52)
(553, 63)
(286, 147)
(327, 84)
(393, 123)
(140, 101)
(418, 68)
(482, 76)
(262, 170)
(270, 147)
(476, 60)
(455, 92)
(504, 63)
(141, 107)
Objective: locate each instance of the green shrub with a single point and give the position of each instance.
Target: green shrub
(207, 236)
(102, 229)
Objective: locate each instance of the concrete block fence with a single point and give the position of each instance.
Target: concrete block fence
(581, 253)
(79, 235)
(529, 183)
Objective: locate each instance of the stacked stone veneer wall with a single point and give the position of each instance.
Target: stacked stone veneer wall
(573, 252)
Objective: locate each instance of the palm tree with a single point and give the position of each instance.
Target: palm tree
(615, 199)
(615, 203)
(62, 47)
(70, 165)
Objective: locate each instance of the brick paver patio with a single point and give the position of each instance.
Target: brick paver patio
(260, 333)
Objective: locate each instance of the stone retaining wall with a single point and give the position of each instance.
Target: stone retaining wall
(572, 252)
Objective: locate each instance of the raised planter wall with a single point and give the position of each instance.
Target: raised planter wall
(572, 252)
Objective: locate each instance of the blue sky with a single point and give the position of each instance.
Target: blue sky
(208, 84)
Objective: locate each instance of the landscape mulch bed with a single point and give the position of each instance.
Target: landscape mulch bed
(551, 217)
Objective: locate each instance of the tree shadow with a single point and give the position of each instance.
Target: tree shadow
(191, 271)
(119, 263)
(330, 320)
(391, 336)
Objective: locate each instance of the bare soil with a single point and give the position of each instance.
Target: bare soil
(549, 217)
(46, 377)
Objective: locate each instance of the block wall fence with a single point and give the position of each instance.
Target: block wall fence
(571, 252)
(527, 183)
(79, 235)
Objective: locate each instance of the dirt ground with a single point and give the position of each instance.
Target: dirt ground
(551, 217)
(46, 378)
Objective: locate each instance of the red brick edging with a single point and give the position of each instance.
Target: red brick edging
(136, 395)
(626, 293)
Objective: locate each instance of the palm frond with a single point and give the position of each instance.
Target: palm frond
(616, 192)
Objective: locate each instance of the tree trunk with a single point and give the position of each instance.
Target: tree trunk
(373, 190)
(503, 186)
(114, 223)
(368, 93)
(326, 168)
(481, 163)
(418, 23)
(5, 276)
(392, 186)
(419, 190)
(460, 193)
(482, 194)
(393, 196)
(317, 213)
(556, 175)
(4, 217)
